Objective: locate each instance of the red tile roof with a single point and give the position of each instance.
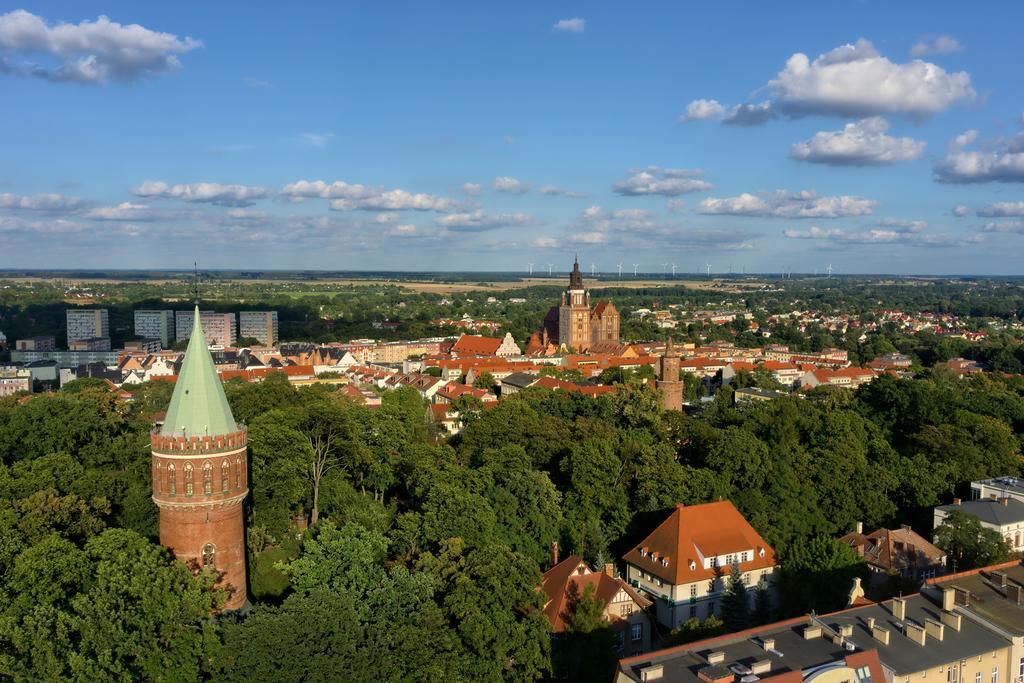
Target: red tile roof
(690, 532)
(564, 583)
(472, 345)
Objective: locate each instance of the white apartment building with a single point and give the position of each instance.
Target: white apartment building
(218, 328)
(155, 325)
(88, 323)
(261, 325)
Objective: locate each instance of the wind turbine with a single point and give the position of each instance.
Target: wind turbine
(635, 266)
(664, 270)
(593, 270)
(549, 269)
(531, 270)
(673, 271)
(709, 270)
(829, 271)
(620, 271)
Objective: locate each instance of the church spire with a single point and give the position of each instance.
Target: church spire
(576, 277)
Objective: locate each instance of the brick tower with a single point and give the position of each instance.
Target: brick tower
(200, 473)
(670, 387)
(574, 313)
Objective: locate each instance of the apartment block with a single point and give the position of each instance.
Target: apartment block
(260, 325)
(155, 325)
(87, 323)
(36, 344)
(92, 344)
(218, 328)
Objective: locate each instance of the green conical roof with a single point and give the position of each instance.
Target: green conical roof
(198, 405)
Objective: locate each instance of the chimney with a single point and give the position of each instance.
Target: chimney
(948, 599)
(963, 596)
(554, 553)
(846, 630)
(934, 629)
(914, 632)
(767, 644)
(1015, 593)
(652, 673)
(906, 527)
(609, 569)
(859, 528)
(998, 576)
(956, 501)
(716, 657)
(880, 634)
(1004, 501)
(812, 632)
(899, 608)
(951, 619)
(870, 622)
(761, 666)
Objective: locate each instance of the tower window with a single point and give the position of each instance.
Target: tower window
(207, 478)
(224, 474)
(172, 482)
(238, 473)
(208, 555)
(188, 479)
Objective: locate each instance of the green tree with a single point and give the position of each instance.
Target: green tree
(817, 573)
(968, 543)
(586, 650)
(736, 601)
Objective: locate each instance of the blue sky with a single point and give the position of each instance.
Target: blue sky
(876, 136)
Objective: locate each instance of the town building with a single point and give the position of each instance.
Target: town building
(999, 487)
(749, 395)
(87, 323)
(92, 344)
(259, 325)
(155, 325)
(143, 345)
(573, 324)
(14, 378)
(200, 473)
(684, 564)
(901, 552)
(624, 606)
(468, 346)
(670, 385)
(36, 344)
(219, 328)
(66, 359)
(1004, 515)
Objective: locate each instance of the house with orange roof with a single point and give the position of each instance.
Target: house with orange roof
(845, 377)
(684, 564)
(469, 345)
(702, 367)
(624, 606)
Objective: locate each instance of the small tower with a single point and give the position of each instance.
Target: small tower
(200, 473)
(670, 388)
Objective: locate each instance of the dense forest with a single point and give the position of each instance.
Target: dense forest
(423, 557)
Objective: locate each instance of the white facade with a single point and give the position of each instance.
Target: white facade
(261, 325)
(87, 324)
(155, 325)
(218, 328)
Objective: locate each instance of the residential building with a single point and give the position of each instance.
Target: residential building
(93, 344)
(66, 359)
(219, 328)
(904, 640)
(624, 606)
(469, 345)
(36, 344)
(14, 378)
(155, 325)
(143, 345)
(999, 487)
(259, 325)
(684, 564)
(1004, 515)
(516, 382)
(87, 323)
(901, 552)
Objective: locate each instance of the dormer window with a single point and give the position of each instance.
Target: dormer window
(760, 552)
(693, 565)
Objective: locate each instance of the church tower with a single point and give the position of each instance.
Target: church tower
(574, 313)
(200, 473)
(670, 388)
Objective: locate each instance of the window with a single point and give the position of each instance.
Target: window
(637, 631)
(172, 482)
(188, 479)
(693, 590)
(693, 611)
(626, 609)
(224, 474)
(977, 677)
(158, 476)
(208, 555)
(995, 674)
(207, 478)
(1020, 671)
(238, 473)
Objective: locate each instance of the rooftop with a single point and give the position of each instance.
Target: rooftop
(994, 512)
(988, 598)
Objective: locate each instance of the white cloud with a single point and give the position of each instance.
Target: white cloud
(318, 140)
(510, 185)
(348, 197)
(90, 52)
(698, 110)
(878, 236)
(854, 80)
(386, 217)
(547, 243)
(576, 25)
(786, 204)
(961, 210)
(555, 191)
(472, 189)
(655, 180)
(209, 193)
(999, 160)
(41, 202)
(1004, 226)
(748, 114)
(1002, 209)
(902, 225)
(676, 205)
(404, 230)
(863, 143)
(937, 45)
(478, 221)
(126, 211)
